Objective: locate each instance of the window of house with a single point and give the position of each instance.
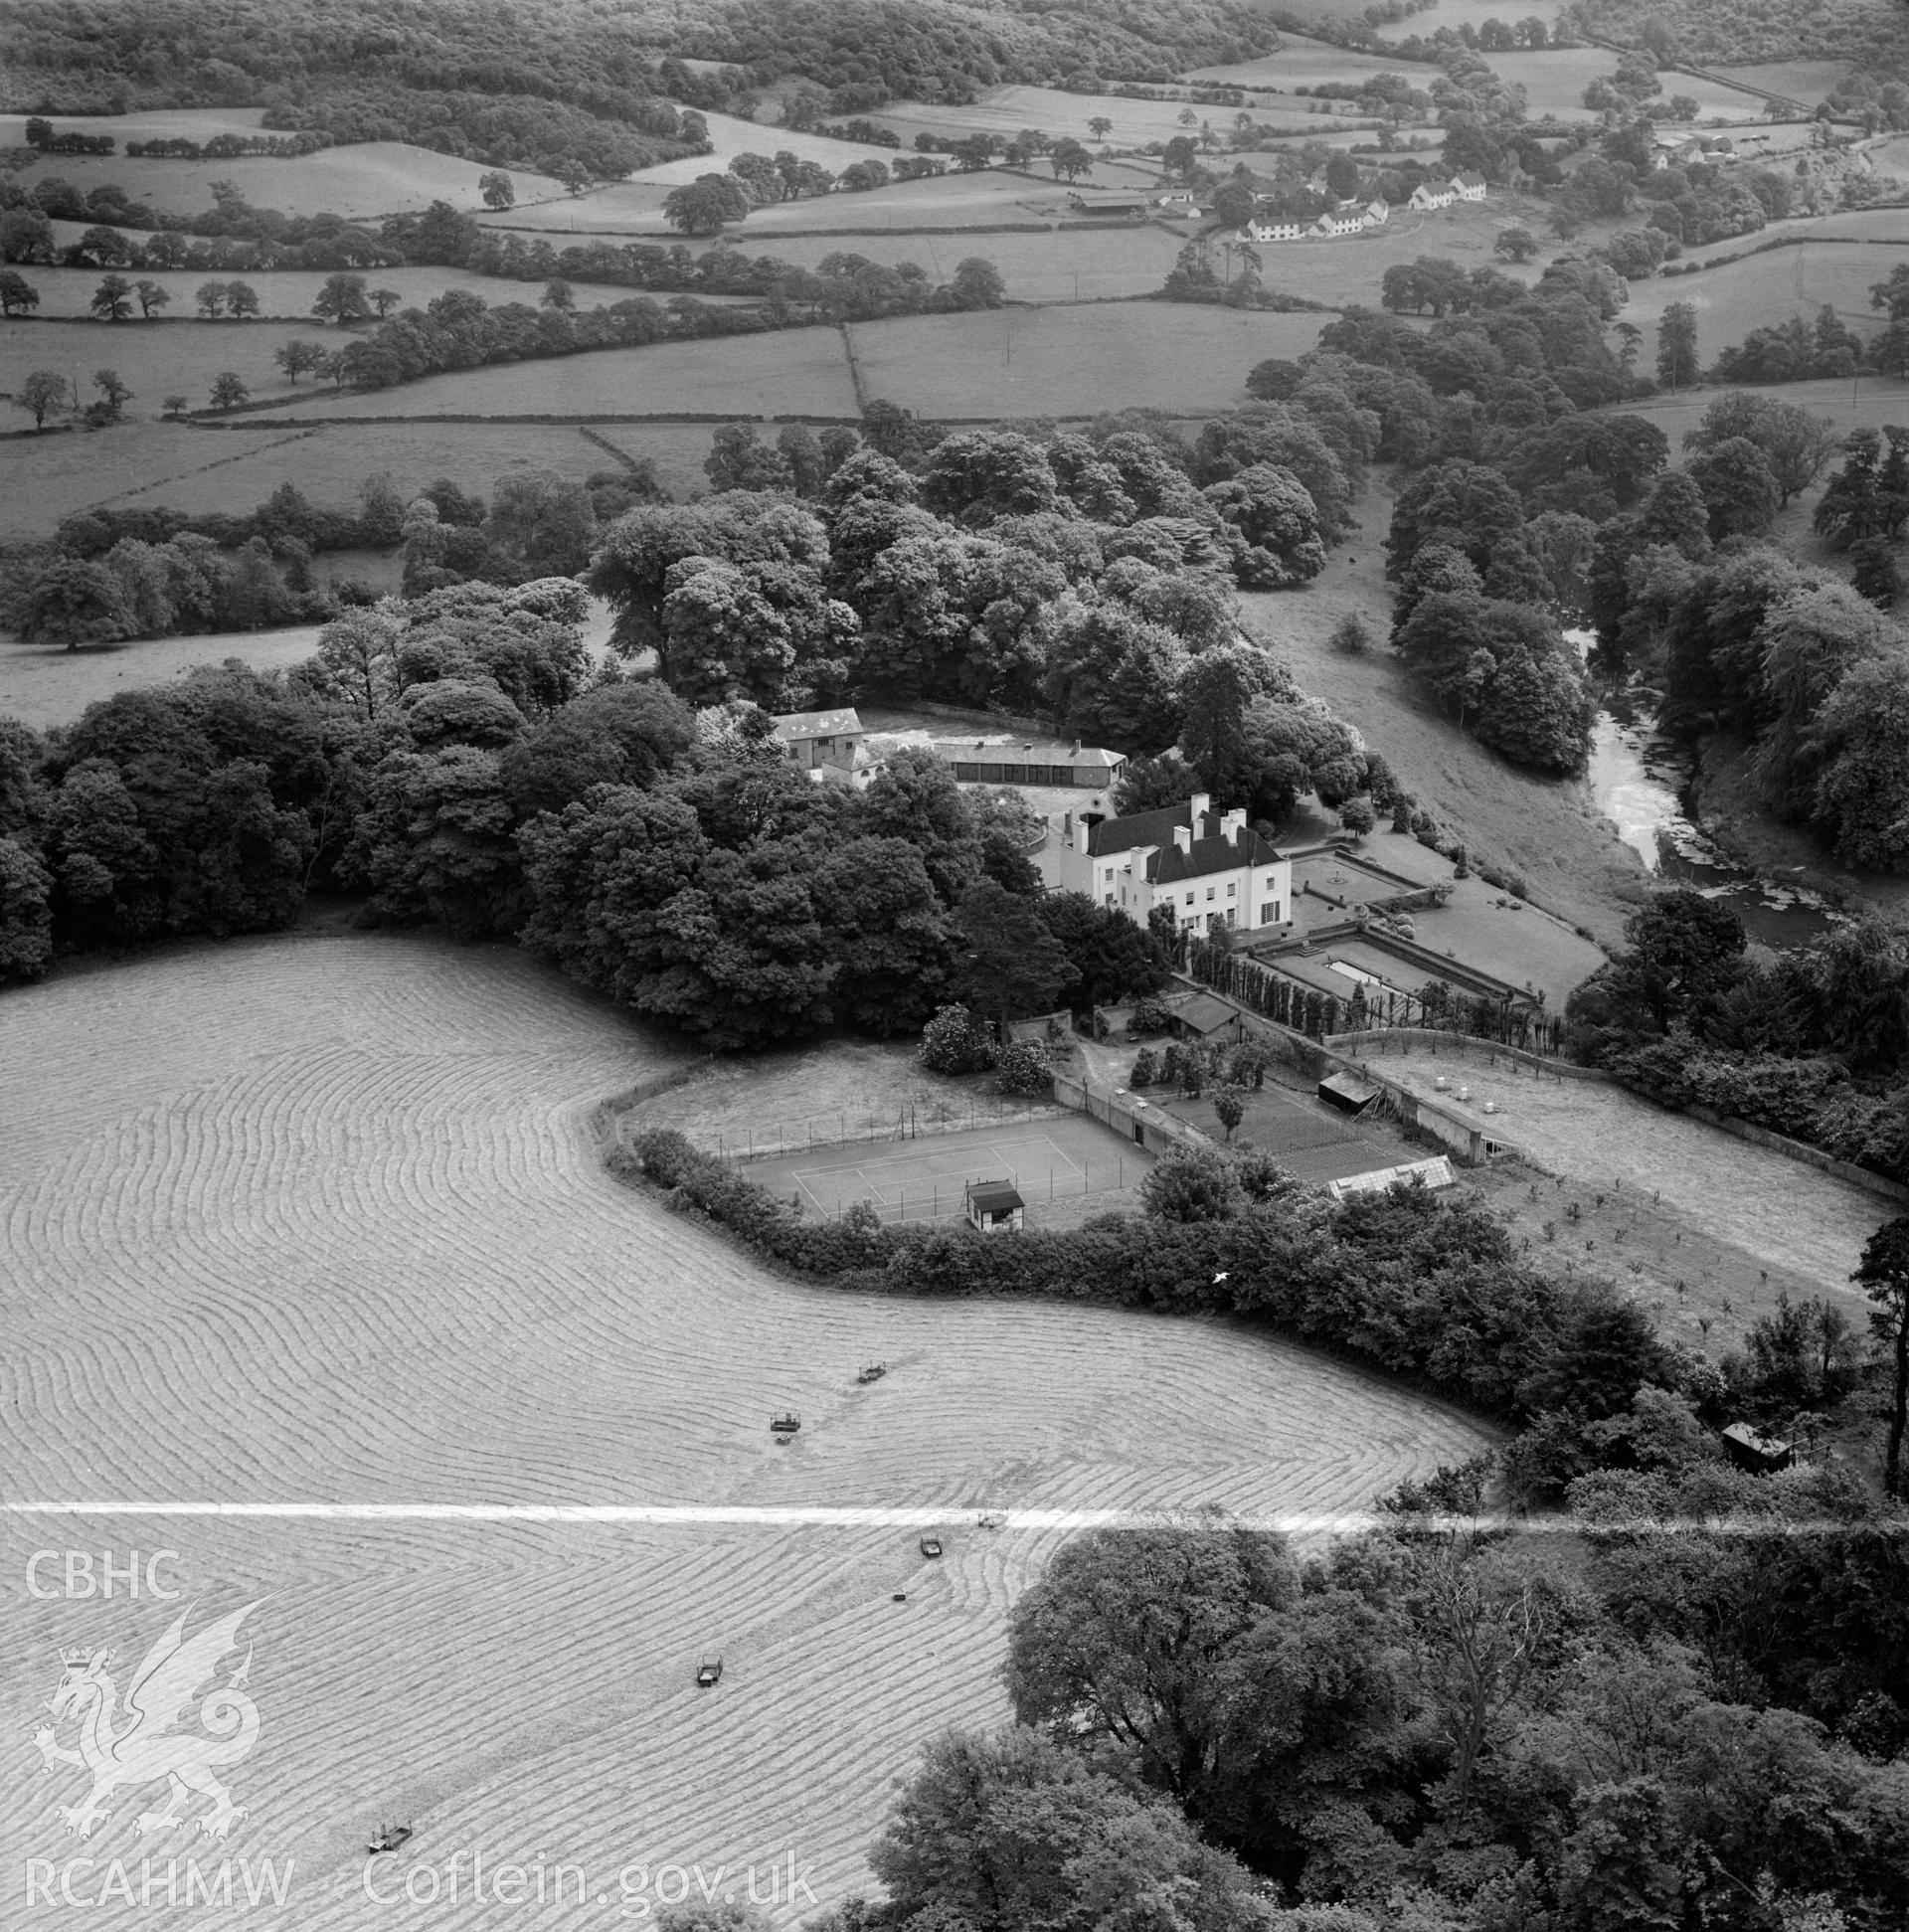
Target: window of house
(1270, 913)
(1209, 892)
(1229, 914)
(1189, 899)
(1233, 891)
(1109, 875)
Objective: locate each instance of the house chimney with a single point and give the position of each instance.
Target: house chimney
(1198, 806)
(1074, 751)
(1183, 838)
(1233, 824)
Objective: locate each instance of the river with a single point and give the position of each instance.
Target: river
(1641, 780)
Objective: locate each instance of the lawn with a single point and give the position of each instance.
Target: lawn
(362, 180)
(1074, 362)
(787, 372)
(1303, 62)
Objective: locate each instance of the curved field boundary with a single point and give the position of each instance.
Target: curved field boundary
(321, 1220)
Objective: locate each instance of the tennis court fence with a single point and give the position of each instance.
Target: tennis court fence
(776, 1139)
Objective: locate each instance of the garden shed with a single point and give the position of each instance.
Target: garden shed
(995, 1207)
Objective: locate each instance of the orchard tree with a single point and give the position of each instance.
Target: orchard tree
(229, 391)
(113, 299)
(498, 189)
(41, 392)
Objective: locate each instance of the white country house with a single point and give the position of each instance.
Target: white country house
(1259, 231)
(1470, 187)
(1340, 224)
(1378, 212)
(1424, 196)
(1210, 867)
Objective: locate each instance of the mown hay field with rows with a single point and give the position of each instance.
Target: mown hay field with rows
(321, 1221)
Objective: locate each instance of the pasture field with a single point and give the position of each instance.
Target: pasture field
(320, 1221)
(1006, 110)
(1074, 362)
(287, 295)
(1554, 80)
(360, 182)
(1455, 14)
(785, 372)
(1804, 81)
(159, 359)
(634, 208)
(177, 466)
(45, 687)
(1302, 62)
(146, 124)
(1867, 404)
(1050, 266)
(1764, 289)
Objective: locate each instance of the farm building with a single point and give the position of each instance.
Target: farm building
(1378, 212)
(978, 762)
(995, 1207)
(1426, 197)
(1213, 870)
(1340, 225)
(1470, 187)
(1257, 230)
(1346, 1093)
(1128, 208)
(822, 742)
(1436, 1172)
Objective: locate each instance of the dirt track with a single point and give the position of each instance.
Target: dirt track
(320, 1219)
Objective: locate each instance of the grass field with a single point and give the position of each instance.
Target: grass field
(289, 294)
(1867, 404)
(1767, 288)
(148, 124)
(1554, 80)
(163, 463)
(1076, 263)
(320, 1221)
(1061, 1160)
(364, 180)
(789, 372)
(1309, 1140)
(1006, 110)
(1074, 361)
(158, 359)
(1805, 82)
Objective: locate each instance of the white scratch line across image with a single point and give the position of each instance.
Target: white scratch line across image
(926, 1515)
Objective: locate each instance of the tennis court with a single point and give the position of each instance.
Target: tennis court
(924, 1179)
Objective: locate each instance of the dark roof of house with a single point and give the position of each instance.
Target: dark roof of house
(1113, 835)
(816, 724)
(1210, 854)
(994, 1196)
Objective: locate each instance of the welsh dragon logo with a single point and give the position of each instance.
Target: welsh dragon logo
(153, 1746)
